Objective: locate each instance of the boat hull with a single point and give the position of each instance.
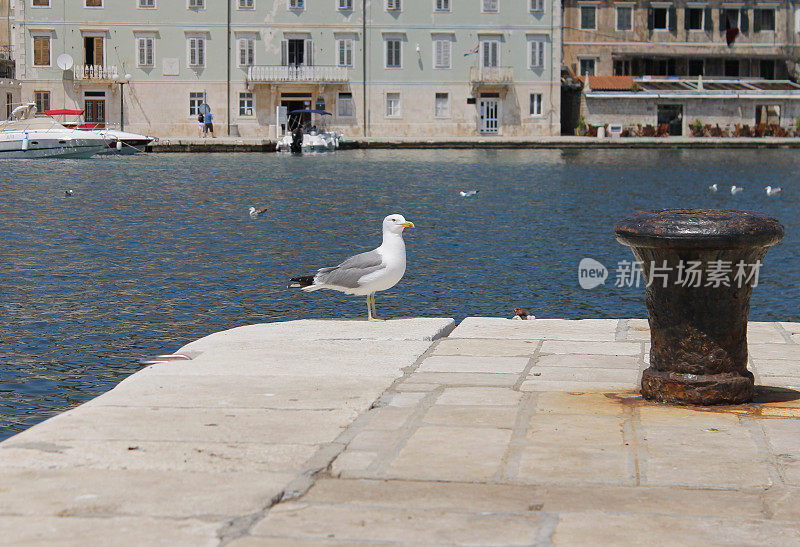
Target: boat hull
(38, 146)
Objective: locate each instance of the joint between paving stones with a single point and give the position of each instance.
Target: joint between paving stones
(621, 332)
(759, 436)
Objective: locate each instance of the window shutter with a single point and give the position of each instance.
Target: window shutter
(686, 18)
(709, 20)
(673, 19)
(743, 20)
(307, 54)
(541, 54)
(201, 51)
(348, 45)
(193, 51)
(242, 46)
(251, 52)
(757, 20)
(445, 53)
(284, 52)
(723, 22)
(650, 18)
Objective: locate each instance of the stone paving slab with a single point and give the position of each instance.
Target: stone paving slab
(503, 432)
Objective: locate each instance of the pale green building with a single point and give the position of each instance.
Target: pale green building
(383, 68)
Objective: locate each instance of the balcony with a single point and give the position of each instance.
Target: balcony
(310, 74)
(95, 73)
(501, 75)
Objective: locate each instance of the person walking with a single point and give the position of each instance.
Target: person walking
(209, 124)
(201, 125)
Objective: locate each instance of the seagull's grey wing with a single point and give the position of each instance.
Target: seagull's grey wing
(351, 270)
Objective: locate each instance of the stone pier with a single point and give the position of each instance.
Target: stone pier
(413, 432)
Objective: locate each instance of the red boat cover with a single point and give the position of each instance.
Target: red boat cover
(63, 112)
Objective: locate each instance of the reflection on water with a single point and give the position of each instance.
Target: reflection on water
(154, 251)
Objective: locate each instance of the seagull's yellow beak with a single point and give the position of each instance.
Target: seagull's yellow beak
(408, 224)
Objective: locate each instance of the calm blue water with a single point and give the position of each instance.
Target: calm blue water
(154, 251)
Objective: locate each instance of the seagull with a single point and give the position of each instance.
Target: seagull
(68, 192)
(772, 191)
(468, 193)
(736, 189)
(255, 213)
(713, 187)
(366, 273)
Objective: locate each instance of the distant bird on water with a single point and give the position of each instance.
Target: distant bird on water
(772, 191)
(255, 213)
(736, 189)
(468, 193)
(713, 187)
(68, 192)
(366, 273)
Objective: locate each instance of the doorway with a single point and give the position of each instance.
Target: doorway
(489, 115)
(93, 50)
(94, 112)
(672, 116)
(296, 120)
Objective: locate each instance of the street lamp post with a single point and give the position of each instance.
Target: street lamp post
(125, 80)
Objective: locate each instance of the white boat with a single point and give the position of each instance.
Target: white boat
(26, 136)
(306, 137)
(121, 142)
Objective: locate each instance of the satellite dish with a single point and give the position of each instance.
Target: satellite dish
(64, 61)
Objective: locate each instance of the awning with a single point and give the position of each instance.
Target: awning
(310, 111)
(63, 112)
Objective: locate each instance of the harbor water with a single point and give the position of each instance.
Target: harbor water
(153, 251)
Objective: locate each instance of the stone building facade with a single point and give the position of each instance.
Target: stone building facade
(383, 68)
(709, 38)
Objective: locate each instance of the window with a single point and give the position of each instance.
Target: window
(197, 4)
(196, 98)
(764, 20)
(297, 4)
(696, 67)
(489, 6)
(536, 104)
(441, 52)
(537, 5)
(587, 67)
(345, 5)
(490, 52)
(245, 104)
(41, 3)
(393, 53)
(297, 52)
(344, 52)
(147, 4)
(42, 100)
(41, 50)
(694, 18)
(442, 5)
(393, 5)
(536, 51)
(733, 18)
(624, 18)
(660, 18)
(344, 105)
(247, 51)
(94, 3)
(441, 106)
(622, 67)
(588, 17)
(144, 50)
(196, 54)
(9, 104)
(392, 105)
(247, 4)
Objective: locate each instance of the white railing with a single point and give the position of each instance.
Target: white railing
(277, 73)
(494, 74)
(95, 72)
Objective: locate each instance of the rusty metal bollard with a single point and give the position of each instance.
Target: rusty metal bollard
(698, 330)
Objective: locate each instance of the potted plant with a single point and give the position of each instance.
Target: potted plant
(697, 128)
(581, 125)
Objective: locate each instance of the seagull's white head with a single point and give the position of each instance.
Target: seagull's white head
(396, 224)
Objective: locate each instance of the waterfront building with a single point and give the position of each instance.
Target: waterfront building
(9, 86)
(387, 68)
(677, 62)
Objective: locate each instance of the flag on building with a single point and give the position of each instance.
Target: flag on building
(473, 50)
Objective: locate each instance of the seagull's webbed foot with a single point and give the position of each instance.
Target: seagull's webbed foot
(371, 309)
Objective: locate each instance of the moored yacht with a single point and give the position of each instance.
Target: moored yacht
(26, 136)
(121, 142)
(304, 136)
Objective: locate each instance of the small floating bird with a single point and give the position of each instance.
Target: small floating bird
(713, 187)
(772, 191)
(68, 192)
(468, 193)
(519, 313)
(736, 189)
(255, 213)
(366, 273)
